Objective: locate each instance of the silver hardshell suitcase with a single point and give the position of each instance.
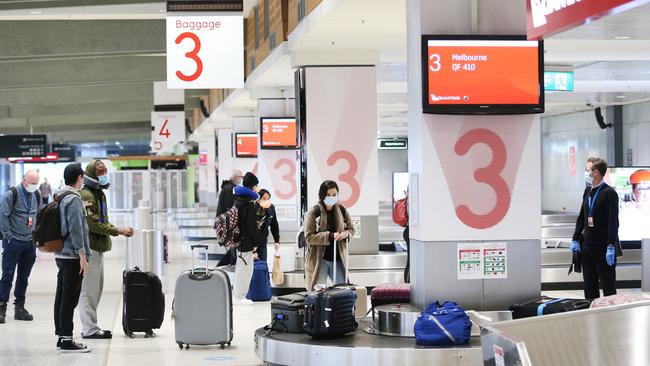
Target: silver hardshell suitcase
(202, 306)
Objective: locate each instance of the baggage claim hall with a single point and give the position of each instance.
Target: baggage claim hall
(325, 182)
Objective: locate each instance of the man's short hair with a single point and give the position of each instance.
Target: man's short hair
(592, 159)
(601, 166)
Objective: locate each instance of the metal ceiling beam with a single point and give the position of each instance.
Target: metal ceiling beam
(110, 70)
(27, 4)
(128, 91)
(73, 109)
(66, 39)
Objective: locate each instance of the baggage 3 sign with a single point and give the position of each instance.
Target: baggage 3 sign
(205, 51)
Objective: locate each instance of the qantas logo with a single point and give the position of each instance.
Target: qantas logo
(540, 9)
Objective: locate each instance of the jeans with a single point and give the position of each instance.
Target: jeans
(68, 289)
(327, 271)
(262, 250)
(21, 254)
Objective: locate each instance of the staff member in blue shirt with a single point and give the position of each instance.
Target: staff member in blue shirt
(596, 234)
(17, 221)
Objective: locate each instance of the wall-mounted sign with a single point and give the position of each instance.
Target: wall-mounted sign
(393, 144)
(548, 17)
(205, 51)
(67, 153)
(203, 158)
(558, 81)
(167, 130)
(23, 146)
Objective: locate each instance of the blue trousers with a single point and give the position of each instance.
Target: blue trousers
(21, 255)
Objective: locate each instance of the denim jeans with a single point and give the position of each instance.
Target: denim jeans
(327, 271)
(19, 255)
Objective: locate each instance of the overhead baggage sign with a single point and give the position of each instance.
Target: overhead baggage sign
(548, 17)
(23, 146)
(205, 51)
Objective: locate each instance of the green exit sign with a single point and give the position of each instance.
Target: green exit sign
(558, 81)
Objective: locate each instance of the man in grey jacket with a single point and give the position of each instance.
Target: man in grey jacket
(72, 260)
(17, 221)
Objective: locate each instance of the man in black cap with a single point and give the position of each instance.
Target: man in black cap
(245, 197)
(72, 260)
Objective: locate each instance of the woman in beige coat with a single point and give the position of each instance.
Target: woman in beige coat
(326, 222)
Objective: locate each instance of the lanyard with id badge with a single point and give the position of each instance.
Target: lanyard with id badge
(28, 206)
(592, 202)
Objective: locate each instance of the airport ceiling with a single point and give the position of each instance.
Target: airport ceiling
(89, 78)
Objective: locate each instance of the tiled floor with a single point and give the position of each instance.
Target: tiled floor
(33, 343)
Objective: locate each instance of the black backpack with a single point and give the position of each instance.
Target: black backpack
(47, 235)
(14, 199)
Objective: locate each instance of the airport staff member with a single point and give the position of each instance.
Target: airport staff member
(17, 221)
(596, 234)
(100, 232)
(588, 178)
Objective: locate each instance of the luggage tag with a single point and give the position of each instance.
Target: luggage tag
(590, 221)
(30, 221)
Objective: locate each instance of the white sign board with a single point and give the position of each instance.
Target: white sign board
(476, 261)
(205, 51)
(167, 130)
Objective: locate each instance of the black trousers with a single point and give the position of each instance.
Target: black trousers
(68, 289)
(595, 269)
(407, 270)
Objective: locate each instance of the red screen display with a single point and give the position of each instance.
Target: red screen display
(482, 72)
(279, 132)
(246, 145)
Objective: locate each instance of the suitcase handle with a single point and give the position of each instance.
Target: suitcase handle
(347, 256)
(205, 249)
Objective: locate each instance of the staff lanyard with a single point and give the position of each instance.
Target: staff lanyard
(592, 201)
(28, 206)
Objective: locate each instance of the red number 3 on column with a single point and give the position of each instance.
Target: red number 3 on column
(348, 177)
(193, 55)
(489, 175)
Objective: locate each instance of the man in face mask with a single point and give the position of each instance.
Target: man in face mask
(589, 180)
(17, 221)
(100, 232)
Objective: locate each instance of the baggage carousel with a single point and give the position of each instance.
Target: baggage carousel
(360, 348)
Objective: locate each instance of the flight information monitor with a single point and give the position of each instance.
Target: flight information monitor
(482, 75)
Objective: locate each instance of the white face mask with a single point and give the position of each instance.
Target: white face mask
(31, 188)
(589, 179)
(330, 200)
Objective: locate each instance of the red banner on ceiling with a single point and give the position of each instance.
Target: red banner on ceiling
(548, 17)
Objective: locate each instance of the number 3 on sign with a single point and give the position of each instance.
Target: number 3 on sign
(349, 176)
(193, 55)
(489, 175)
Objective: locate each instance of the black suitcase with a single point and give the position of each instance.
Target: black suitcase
(288, 313)
(547, 305)
(144, 302)
(329, 313)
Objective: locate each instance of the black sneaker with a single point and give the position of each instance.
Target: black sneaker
(58, 344)
(70, 346)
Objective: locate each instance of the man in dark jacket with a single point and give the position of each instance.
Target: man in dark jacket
(245, 197)
(226, 195)
(100, 232)
(596, 234)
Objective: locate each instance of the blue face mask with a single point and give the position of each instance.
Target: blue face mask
(103, 180)
(330, 200)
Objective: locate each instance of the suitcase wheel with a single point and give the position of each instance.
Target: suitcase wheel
(150, 334)
(180, 345)
(129, 333)
(222, 345)
(187, 346)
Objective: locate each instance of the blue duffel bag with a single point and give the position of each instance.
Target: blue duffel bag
(260, 287)
(442, 325)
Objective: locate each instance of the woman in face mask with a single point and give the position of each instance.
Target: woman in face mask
(267, 221)
(325, 223)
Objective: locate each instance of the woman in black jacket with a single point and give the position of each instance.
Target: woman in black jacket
(245, 197)
(267, 219)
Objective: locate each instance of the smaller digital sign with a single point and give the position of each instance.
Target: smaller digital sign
(246, 145)
(23, 146)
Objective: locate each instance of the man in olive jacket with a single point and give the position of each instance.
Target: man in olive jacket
(100, 232)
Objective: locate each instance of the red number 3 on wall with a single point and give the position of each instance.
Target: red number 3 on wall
(347, 177)
(193, 55)
(489, 175)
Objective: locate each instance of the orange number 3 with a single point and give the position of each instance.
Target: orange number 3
(349, 176)
(489, 175)
(194, 55)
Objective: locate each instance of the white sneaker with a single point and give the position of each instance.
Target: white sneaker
(244, 301)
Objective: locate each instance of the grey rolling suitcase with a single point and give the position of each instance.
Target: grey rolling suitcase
(202, 306)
